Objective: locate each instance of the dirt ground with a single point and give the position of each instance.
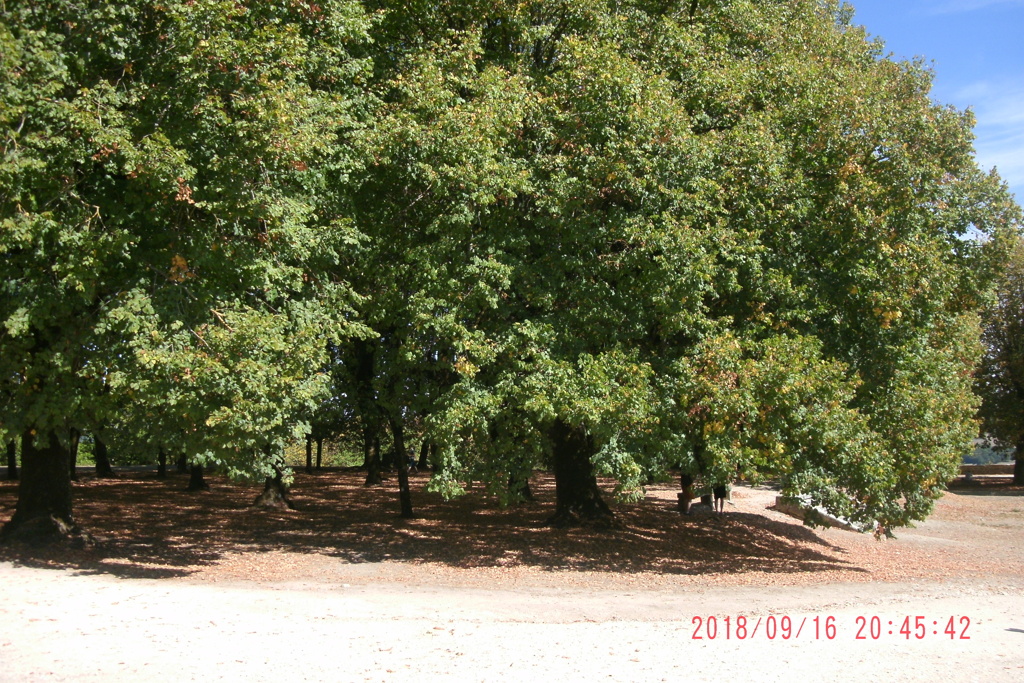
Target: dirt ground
(199, 586)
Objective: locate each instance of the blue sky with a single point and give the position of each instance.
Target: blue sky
(977, 50)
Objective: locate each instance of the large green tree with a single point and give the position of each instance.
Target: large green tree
(170, 207)
(1001, 378)
(727, 235)
(614, 237)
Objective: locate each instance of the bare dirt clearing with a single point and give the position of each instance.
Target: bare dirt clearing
(198, 586)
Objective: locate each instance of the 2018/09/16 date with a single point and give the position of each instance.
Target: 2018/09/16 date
(790, 628)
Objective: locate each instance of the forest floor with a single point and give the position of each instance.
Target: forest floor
(200, 586)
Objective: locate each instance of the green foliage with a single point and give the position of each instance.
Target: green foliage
(169, 214)
(1000, 379)
(706, 241)
(727, 236)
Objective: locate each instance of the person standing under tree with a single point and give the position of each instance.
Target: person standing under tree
(720, 491)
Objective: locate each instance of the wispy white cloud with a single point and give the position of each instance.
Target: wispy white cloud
(1005, 153)
(954, 6)
(995, 104)
(999, 109)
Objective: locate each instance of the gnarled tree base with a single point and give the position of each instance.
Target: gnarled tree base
(45, 530)
(563, 519)
(43, 513)
(274, 496)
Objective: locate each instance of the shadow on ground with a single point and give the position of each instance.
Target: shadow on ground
(151, 528)
(986, 486)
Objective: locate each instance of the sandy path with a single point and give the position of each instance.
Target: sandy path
(56, 625)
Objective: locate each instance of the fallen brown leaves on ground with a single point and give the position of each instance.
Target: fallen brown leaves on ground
(150, 527)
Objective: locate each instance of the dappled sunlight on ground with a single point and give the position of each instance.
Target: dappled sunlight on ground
(152, 528)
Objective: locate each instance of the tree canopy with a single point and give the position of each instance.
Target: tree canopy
(168, 220)
(728, 236)
(682, 236)
(1001, 376)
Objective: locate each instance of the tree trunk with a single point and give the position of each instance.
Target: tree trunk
(275, 494)
(520, 488)
(182, 464)
(1018, 465)
(371, 458)
(73, 441)
(43, 511)
(388, 461)
(402, 463)
(12, 461)
(196, 481)
(578, 498)
(686, 495)
(424, 460)
(103, 468)
(309, 454)
(161, 464)
(319, 453)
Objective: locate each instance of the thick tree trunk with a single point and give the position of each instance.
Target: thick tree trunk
(402, 464)
(43, 511)
(1018, 465)
(12, 461)
(74, 440)
(424, 460)
(319, 453)
(367, 448)
(161, 464)
(371, 458)
(576, 492)
(196, 480)
(275, 494)
(309, 454)
(182, 464)
(103, 468)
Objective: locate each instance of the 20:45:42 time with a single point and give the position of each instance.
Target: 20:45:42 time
(873, 628)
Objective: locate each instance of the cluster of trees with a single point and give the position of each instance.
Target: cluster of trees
(1000, 379)
(613, 237)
